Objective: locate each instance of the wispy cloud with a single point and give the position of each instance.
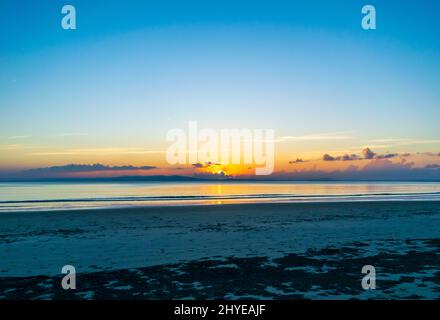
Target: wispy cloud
(72, 134)
(317, 137)
(94, 151)
(394, 142)
(11, 146)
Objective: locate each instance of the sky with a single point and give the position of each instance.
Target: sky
(109, 91)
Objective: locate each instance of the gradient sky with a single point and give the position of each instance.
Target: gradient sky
(109, 91)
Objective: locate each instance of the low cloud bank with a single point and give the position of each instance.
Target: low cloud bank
(376, 169)
(367, 154)
(73, 169)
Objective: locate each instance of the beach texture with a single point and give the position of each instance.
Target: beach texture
(247, 251)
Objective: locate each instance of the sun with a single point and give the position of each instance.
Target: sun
(225, 170)
(217, 169)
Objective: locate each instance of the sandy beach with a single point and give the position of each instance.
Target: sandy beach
(266, 251)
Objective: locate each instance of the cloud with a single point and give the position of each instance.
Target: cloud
(348, 157)
(345, 157)
(385, 164)
(391, 140)
(71, 134)
(213, 169)
(368, 154)
(205, 165)
(296, 161)
(316, 137)
(212, 175)
(387, 156)
(80, 168)
(327, 157)
(11, 146)
(375, 170)
(432, 166)
(406, 141)
(109, 150)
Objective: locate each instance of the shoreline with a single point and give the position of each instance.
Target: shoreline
(44, 197)
(221, 207)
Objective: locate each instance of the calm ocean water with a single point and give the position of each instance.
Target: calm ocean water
(46, 196)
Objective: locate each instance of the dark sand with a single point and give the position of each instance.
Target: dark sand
(262, 251)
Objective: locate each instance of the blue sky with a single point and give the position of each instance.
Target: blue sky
(132, 71)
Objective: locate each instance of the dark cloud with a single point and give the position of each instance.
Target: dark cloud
(296, 161)
(328, 157)
(345, 157)
(204, 165)
(368, 154)
(348, 157)
(59, 171)
(387, 156)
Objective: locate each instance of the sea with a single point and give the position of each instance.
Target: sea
(35, 196)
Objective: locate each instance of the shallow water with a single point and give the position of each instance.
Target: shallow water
(47, 196)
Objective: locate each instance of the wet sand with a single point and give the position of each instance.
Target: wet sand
(262, 251)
